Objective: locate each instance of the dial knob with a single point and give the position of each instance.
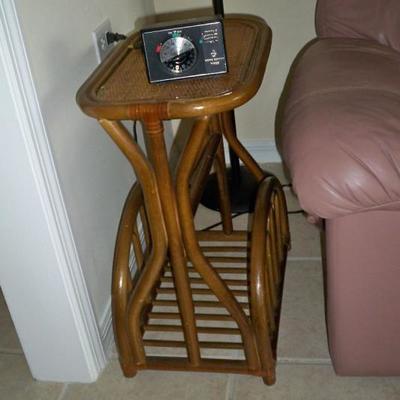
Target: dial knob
(178, 54)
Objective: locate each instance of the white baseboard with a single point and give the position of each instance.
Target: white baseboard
(262, 150)
(106, 330)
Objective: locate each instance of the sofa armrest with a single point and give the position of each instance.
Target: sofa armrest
(340, 131)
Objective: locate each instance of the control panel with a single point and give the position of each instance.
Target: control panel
(184, 50)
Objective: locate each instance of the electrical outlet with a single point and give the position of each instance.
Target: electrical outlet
(101, 45)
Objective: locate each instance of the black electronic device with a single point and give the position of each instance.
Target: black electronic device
(188, 49)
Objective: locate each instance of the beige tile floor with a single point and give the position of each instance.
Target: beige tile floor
(304, 368)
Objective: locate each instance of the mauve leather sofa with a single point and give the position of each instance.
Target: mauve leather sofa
(340, 140)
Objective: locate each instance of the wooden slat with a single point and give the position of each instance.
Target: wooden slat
(219, 236)
(204, 345)
(206, 365)
(205, 304)
(224, 249)
(236, 282)
(220, 270)
(206, 292)
(229, 282)
(199, 317)
(200, 329)
(228, 260)
(229, 270)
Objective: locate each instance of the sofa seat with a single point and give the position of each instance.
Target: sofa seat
(341, 128)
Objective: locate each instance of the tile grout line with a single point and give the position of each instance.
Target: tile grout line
(304, 361)
(15, 352)
(304, 258)
(63, 391)
(230, 388)
(392, 385)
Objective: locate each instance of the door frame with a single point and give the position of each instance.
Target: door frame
(83, 347)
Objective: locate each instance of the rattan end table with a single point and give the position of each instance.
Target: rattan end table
(215, 289)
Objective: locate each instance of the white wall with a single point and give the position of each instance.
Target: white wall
(31, 280)
(94, 177)
(292, 24)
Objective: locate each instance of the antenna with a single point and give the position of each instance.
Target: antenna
(218, 7)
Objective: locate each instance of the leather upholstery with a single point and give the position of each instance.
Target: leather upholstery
(341, 128)
(340, 140)
(363, 306)
(364, 19)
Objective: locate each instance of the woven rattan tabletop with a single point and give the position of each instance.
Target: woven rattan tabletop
(119, 88)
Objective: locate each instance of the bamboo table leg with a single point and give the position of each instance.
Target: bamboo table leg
(238, 148)
(222, 182)
(133, 355)
(158, 155)
(206, 271)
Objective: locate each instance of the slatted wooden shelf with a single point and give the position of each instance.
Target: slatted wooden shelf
(228, 335)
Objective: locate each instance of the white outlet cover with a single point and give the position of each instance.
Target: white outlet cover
(99, 40)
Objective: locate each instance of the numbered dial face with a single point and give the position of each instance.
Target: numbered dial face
(178, 54)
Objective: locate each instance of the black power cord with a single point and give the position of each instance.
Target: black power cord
(220, 222)
(113, 37)
(242, 213)
(235, 215)
(135, 134)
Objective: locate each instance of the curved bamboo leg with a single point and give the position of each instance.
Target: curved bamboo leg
(152, 269)
(122, 281)
(272, 249)
(222, 180)
(267, 258)
(238, 148)
(158, 155)
(261, 307)
(203, 168)
(207, 272)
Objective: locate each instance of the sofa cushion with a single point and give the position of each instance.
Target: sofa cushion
(340, 135)
(364, 19)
